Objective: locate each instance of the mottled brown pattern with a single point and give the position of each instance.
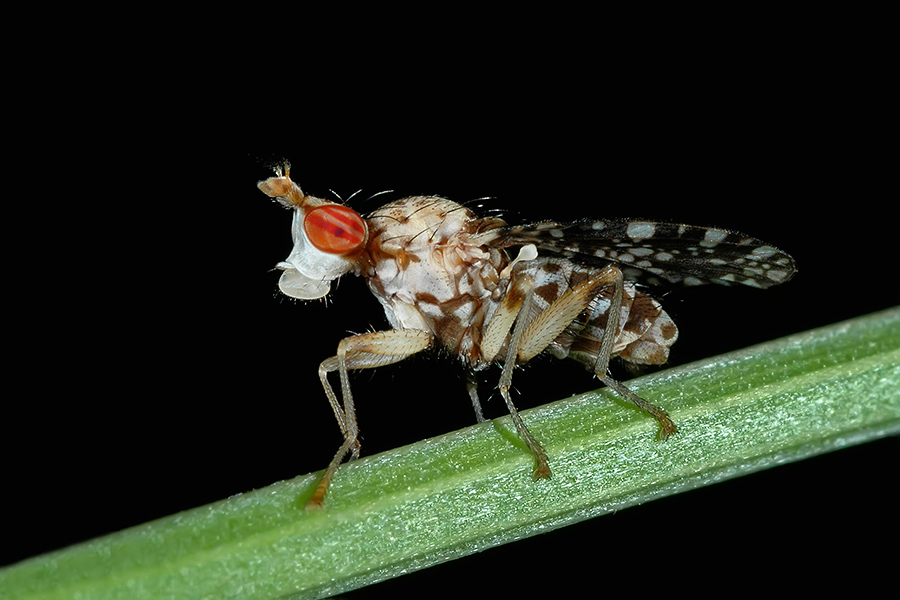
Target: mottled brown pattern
(444, 278)
(548, 292)
(669, 331)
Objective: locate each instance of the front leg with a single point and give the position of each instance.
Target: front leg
(365, 351)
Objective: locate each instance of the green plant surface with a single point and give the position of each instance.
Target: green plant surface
(460, 493)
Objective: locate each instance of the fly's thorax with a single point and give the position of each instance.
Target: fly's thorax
(430, 269)
(425, 247)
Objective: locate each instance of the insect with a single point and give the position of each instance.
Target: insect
(491, 293)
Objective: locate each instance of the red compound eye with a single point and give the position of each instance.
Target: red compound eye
(335, 229)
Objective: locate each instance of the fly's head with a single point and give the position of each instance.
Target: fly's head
(328, 239)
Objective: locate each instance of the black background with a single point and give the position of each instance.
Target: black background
(158, 369)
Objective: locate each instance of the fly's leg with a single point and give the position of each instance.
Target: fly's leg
(472, 387)
(667, 427)
(516, 303)
(610, 333)
(530, 338)
(365, 351)
(522, 288)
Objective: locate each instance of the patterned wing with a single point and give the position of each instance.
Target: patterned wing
(658, 253)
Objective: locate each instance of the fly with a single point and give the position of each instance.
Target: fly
(492, 293)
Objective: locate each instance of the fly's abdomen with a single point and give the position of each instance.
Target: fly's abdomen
(644, 331)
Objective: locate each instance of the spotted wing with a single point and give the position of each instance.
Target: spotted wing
(658, 253)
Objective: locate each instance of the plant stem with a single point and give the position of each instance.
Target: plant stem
(449, 496)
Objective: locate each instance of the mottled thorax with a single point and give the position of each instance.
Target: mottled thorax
(430, 270)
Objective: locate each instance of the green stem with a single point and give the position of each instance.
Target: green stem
(446, 497)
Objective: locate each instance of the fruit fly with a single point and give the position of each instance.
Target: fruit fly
(492, 293)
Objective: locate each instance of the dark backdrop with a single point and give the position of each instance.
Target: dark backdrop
(160, 370)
